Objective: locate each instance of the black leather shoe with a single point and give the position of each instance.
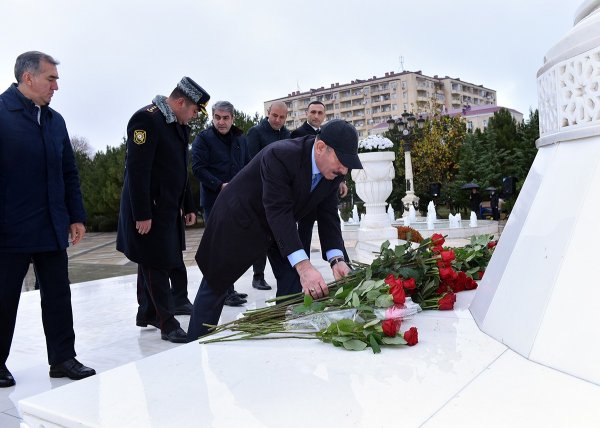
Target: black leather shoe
(260, 284)
(140, 322)
(240, 295)
(185, 309)
(175, 336)
(234, 300)
(72, 369)
(6, 378)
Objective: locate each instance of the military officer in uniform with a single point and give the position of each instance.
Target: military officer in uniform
(156, 193)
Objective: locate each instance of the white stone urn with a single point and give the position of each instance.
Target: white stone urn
(374, 186)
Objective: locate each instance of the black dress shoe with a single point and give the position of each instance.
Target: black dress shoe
(234, 300)
(260, 284)
(185, 309)
(175, 336)
(6, 378)
(72, 369)
(240, 295)
(141, 322)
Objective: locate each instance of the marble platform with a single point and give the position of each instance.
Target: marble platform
(456, 376)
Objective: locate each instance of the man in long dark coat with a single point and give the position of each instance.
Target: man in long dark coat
(257, 213)
(156, 194)
(40, 205)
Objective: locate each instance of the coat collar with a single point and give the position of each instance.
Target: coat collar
(17, 101)
(161, 102)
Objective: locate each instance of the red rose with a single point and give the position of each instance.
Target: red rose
(390, 280)
(411, 336)
(447, 274)
(447, 256)
(409, 284)
(492, 244)
(470, 284)
(481, 274)
(446, 303)
(442, 288)
(437, 249)
(398, 295)
(437, 239)
(390, 327)
(442, 264)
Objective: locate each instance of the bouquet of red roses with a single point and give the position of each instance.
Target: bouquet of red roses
(367, 308)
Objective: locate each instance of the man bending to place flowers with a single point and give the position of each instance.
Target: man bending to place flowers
(258, 210)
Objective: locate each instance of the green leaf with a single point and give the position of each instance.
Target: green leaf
(341, 339)
(317, 306)
(371, 323)
(307, 300)
(373, 294)
(345, 325)
(374, 344)
(384, 301)
(300, 309)
(355, 345)
(367, 286)
(355, 300)
(398, 340)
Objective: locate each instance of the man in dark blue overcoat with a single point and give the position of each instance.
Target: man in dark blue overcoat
(40, 205)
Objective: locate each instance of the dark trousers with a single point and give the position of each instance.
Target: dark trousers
(208, 304)
(259, 267)
(159, 299)
(55, 293)
(207, 210)
(179, 292)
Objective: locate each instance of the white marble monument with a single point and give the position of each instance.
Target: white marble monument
(540, 293)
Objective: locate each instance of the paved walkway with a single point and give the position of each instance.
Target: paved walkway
(96, 257)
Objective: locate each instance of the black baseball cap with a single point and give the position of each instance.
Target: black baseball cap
(342, 137)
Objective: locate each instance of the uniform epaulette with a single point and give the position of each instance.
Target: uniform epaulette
(152, 109)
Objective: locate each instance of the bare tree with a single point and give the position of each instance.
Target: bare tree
(81, 145)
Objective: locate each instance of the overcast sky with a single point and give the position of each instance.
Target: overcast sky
(116, 55)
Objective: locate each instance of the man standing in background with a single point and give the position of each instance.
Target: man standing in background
(156, 194)
(270, 129)
(315, 115)
(218, 154)
(40, 205)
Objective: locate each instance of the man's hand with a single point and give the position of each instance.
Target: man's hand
(311, 280)
(77, 230)
(143, 226)
(190, 218)
(340, 270)
(343, 190)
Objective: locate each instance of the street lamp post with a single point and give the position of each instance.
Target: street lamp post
(405, 127)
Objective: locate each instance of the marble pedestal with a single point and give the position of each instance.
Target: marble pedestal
(540, 294)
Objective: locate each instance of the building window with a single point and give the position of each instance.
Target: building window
(469, 126)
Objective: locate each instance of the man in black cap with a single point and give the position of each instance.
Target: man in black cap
(257, 213)
(156, 199)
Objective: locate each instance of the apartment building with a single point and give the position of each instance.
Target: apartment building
(368, 103)
(474, 117)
